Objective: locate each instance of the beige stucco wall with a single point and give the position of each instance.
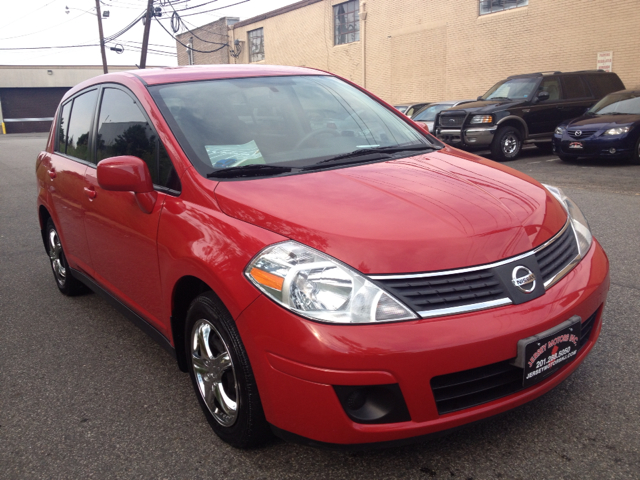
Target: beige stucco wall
(442, 49)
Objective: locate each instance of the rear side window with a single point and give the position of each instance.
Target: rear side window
(77, 138)
(63, 126)
(573, 87)
(604, 84)
(124, 130)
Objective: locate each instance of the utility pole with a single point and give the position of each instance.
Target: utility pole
(104, 56)
(145, 38)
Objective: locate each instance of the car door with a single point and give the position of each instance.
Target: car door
(576, 97)
(542, 116)
(122, 237)
(66, 170)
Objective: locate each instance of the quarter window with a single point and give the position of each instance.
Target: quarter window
(63, 126)
(256, 45)
(346, 22)
(124, 130)
(77, 139)
(492, 6)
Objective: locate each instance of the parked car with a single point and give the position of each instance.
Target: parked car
(610, 129)
(412, 108)
(524, 109)
(427, 115)
(344, 283)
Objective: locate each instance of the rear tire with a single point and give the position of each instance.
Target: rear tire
(66, 282)
(545, 147)
(506, 144)
(221, 374)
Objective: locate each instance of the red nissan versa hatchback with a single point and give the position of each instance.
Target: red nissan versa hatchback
(321, 266)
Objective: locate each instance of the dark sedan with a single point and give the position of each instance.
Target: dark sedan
(609, 129)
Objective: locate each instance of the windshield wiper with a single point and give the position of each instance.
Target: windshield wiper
(498, 98)
(375, 153)
(254, 170)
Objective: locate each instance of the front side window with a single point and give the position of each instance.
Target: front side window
(346, 22)
(512, 89)
(124, 130)
(291, 122)
(551, 85)
(82, 110)
(492, 6)
(256, 45)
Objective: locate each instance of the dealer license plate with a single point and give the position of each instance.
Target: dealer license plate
(576, 145)
(545, 353)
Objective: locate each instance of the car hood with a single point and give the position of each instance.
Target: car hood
(485, 106)
(430, 212)
(601, 121)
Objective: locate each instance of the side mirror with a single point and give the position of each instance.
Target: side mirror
(128, 174)
(542, 96)
(423, 126)
(479, 97)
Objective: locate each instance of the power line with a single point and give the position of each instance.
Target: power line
(193, 33)
(187, 46)
(43, 48)
(44, 30)
(214, 9)
(27, 14)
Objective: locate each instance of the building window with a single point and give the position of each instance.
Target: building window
(256, 45)
(346, 22)
(492, 6)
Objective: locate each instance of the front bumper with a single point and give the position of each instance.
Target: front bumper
(615, 146)
(298, 362)
(468, 136)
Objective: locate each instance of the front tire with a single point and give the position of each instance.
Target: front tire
(221, 374)
(67, 284)
(506, 144)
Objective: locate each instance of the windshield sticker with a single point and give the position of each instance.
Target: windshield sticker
(225, 156)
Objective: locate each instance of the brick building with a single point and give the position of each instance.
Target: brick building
(413, 50)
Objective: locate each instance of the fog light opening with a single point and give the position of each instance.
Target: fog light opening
(612, 150)
(373, 403)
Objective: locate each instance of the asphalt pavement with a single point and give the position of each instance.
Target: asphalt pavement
(86, 394)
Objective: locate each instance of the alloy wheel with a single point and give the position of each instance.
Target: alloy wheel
(55, 255)
(214, 372)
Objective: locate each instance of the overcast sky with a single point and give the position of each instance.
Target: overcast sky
(46, 23)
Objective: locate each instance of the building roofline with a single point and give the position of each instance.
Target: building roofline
(275, 13)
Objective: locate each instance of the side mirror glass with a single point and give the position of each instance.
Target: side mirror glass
(542, 96)
(128, 174)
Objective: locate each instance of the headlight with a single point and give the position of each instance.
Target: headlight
(578, 220)
(617, 131)
(560, 130)
(482, 119)
(319, 287)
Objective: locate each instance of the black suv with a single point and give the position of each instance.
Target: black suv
(523, 109)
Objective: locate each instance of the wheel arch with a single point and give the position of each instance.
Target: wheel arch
(43, 217)
(185, 290)
(516, 122)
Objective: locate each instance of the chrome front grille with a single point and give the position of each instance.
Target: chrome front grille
(433, 294)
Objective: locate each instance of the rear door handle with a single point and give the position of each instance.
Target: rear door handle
(90, 192)
(52, 173)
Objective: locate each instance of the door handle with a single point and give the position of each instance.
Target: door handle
(52, 173)
(90, 192)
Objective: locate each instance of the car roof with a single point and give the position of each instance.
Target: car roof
(157, 76)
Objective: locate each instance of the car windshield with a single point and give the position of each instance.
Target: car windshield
(429, 113)
(512, 89)
(280, 123)
(618, 103)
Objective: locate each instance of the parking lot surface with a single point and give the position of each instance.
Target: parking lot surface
(86, 394)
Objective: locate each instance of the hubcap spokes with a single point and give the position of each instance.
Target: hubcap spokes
(214, 373)
(55, 254)
(510, 145)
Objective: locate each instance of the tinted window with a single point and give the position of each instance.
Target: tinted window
(63, 124)
(80, 125)
(552, 86)
(604, 84)
(574, 87)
